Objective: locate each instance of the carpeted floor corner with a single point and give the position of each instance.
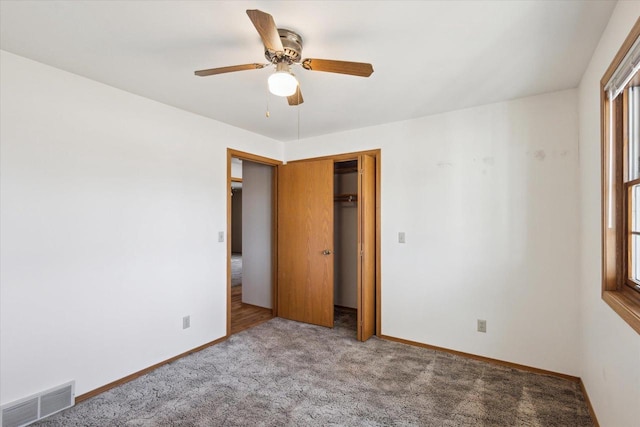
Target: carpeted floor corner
(284, 373)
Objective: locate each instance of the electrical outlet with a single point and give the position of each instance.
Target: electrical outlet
(482, 325)
(186, 322)
(401, 238)
(220, 236)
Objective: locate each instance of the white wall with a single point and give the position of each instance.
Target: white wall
(488, 199)
(257, 234)
(610, 348)
(110, 208)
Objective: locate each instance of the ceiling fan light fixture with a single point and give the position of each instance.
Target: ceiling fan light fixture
(283, 48)
(282, 82)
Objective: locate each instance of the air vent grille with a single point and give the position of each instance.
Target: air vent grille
(21, 414)
(33, 408)
(55, 401)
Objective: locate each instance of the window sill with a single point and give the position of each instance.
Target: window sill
(626, 304)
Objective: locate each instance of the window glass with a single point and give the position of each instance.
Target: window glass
(635, 208)
(634, 133)
(635, 267)
(634, 256)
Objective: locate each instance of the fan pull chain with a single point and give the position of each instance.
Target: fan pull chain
(298, 108)
(267, 114)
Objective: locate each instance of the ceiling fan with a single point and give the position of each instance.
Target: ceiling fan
(283, 48)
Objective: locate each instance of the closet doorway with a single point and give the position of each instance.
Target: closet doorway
(250, 244)
(329, 241)
(353, 229)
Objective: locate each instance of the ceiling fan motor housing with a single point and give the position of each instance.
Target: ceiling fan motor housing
(292, 43)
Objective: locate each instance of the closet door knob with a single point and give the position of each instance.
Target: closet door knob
(326, 252)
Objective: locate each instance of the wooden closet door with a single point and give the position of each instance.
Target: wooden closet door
(366, 278)
(305, 242)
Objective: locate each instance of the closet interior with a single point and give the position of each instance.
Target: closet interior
(345, 243)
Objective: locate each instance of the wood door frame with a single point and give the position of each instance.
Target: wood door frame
(377, 154)
(231, 153)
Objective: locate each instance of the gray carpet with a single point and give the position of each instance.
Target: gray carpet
(284, 373)
(236, 269)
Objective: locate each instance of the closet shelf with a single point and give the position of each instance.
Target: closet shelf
(349, 166)
(345, 198)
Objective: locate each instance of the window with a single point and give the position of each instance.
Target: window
(621, 181)
(632, 182)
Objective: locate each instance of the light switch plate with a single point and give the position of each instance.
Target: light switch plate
(186, 322)
(401, 238)
(220, 236)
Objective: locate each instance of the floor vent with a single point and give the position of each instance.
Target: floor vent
(33, 408)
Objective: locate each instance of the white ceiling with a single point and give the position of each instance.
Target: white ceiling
(428, 57)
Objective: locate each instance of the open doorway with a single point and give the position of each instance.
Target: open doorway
(250, 247)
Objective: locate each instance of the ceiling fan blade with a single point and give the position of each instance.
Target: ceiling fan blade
(222, 70)
(267, 29)
(296, 98)
(361, 69)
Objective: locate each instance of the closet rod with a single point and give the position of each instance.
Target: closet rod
(345, 198)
